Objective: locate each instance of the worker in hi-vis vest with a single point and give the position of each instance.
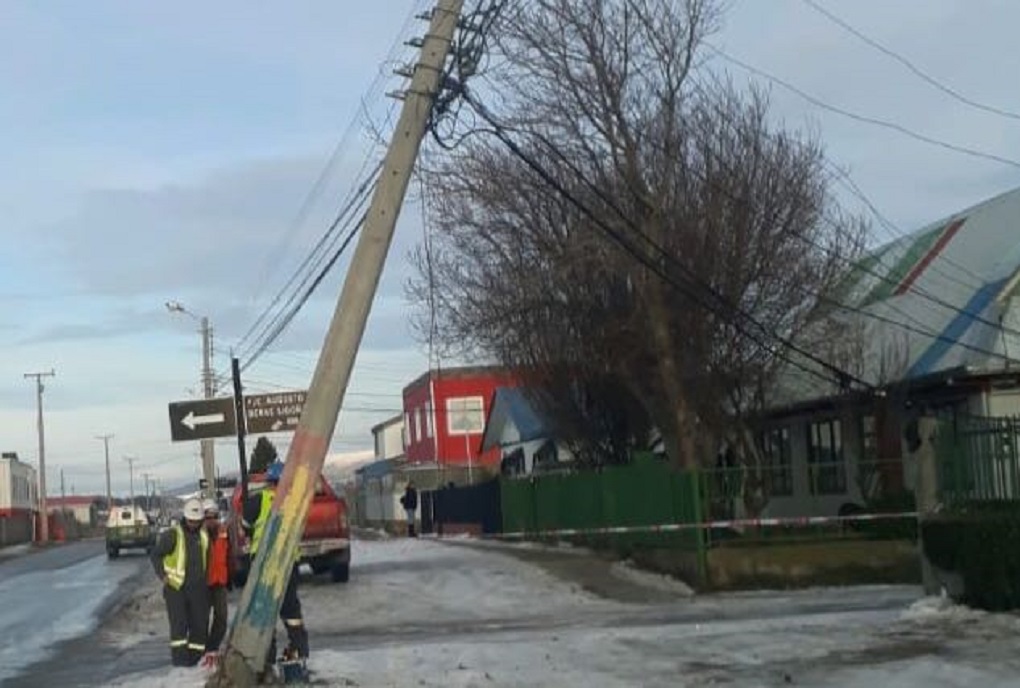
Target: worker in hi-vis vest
(255, 516)
(180, 559)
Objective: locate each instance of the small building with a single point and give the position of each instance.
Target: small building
(378, 489)
(521, 435)
(19, 500)
(444, 421)
(83, 509)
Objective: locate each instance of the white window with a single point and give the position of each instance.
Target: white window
(430, 428)
(421, 423)
(465, 416)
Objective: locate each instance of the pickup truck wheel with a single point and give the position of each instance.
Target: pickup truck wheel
(112, 552)
(340, 571)
(320, 567)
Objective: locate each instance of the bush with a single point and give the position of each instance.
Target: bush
(981, 542)
(891, 529)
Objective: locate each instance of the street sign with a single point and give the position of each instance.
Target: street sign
(201, 419)
(279, 412)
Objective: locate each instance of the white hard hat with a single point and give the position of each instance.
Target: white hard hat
(210, 506)
(193, 510)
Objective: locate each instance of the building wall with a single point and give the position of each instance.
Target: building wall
(806, 500)
(82, 513)
(382, 500)
(389, 440)
(444, 421)
(1004, 403)
(18, 502)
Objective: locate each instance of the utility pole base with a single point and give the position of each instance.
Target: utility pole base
(234, 672)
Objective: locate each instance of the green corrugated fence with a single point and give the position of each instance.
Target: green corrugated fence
(645, 493)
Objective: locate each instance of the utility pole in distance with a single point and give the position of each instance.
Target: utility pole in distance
(208, 391)
(260, 602)
(145, 482)
(44, 525)
(131, 476)
(106, 452)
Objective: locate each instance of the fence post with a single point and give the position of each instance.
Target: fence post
(927, 495)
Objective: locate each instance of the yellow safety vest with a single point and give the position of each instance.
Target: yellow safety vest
(260, 522)
(175, 563)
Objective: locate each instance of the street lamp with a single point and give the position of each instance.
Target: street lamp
(208, 448)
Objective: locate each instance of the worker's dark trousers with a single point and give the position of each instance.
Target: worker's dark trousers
(218, 629)
(188, 611)
(290, 613)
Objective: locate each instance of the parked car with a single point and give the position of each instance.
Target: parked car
(129, 527)
(326, 541)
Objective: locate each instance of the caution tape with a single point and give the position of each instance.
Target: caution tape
(794, 521)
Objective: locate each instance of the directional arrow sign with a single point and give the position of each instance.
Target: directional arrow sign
(202, 419)
(278, 412)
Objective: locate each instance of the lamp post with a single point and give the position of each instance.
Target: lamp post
(208, 448)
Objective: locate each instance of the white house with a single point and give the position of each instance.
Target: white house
(934, 318)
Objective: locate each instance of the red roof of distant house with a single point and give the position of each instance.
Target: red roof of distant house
(78, 500)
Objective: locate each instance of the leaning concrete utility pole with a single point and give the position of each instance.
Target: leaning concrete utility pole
(44, 522)
(255, 621)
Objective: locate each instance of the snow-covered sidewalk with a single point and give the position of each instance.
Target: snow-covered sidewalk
(420, 613)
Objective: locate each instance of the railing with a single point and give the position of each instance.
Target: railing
(978, 459)
(866, 487)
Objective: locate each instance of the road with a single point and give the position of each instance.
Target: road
(425, 613)
(52, 596)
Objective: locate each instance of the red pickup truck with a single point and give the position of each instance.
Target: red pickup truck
(325, 544)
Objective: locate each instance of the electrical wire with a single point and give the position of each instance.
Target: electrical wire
(917, 71)
(372, 92)
(283, 322)
(690, 286)
(860, 265)
(865, 119)
(351, 206)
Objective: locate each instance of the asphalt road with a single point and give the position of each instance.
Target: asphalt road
(53, 596)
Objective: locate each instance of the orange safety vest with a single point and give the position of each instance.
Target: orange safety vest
(218, 573)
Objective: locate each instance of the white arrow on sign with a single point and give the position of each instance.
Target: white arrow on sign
(191, 421)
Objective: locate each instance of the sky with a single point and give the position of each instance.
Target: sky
(167, 151)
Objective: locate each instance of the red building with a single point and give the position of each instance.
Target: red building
(445, 412)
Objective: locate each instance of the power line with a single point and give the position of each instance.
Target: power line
(917, 329)
(732, 312)
(893, 126)
(860, 264)
(917, 71)
(841, 375)
(895, 233)
(352, 203)
(320, 183)
(289, 317)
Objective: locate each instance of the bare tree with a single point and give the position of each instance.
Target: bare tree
(691, 241)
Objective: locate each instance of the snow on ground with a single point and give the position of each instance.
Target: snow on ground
(420, 613)
(626, 570)
(42, 607)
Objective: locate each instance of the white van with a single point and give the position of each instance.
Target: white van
(128, 527)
